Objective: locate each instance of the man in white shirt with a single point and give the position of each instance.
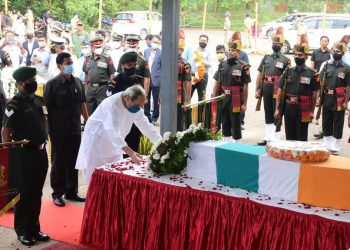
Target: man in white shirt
(38, 56)
(248, 24)
(105, 131)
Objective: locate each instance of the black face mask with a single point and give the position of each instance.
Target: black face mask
(231, 60)
(299, 61)
(276, 48)
(29, 36)
(30, 88)
(202, 45)
(129, 72)
(337, 57)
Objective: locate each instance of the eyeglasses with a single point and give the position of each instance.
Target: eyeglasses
(220, 52)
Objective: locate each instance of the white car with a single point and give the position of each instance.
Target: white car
(336, 26)
(137, 22)
(286, 22)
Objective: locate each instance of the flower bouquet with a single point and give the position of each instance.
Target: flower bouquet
(169, 155)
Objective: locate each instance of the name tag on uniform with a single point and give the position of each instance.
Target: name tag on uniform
(102, 65)
(305, 80)
(341, 75)
(294, 99)
(44, 110)
(236, 72)
(279, 65)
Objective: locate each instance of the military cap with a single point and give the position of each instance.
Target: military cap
(24, 73)
(302, 47)
(117, 37)
(57, 40)
(97, 42)
(181, 43)
(340, 46)
(237, 45)
(128, 57)
(132, 37)
(100, 32)
(236, 36)
(278, 39)
(79, 23)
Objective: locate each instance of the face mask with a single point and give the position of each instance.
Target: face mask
(348, 45)
(276, 48)
(98, 51)
(42, 44)
(337, 57)
(68, 69)
(30, 88)
(134, 109)
(155, 46)
(129, 72)
(12, 42)
(220, 56)
(299, 61)
(150, 45)
(29, 36)
(202, 45)
(85, 52)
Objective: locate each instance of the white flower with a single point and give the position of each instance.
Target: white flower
(179, 135)
(148, 160)
(162, 161)
(199, 125)
(186, 151)
(156, 156)
(166, 136)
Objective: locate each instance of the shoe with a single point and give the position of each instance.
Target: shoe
(242, 127)
(74, 197)
(262, 143)
(319, 135)
(26, 240)
(39, 236)
(59, 202)
(334, 152)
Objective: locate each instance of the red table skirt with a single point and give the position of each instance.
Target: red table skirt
(125, 212)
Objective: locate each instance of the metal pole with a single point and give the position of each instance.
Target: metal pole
(204, 16)
(324, 18)
(170, 34)
(5, 7)
(100, 14)
(150, 17)
(256, 27)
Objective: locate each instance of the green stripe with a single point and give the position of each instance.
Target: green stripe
(237, 165)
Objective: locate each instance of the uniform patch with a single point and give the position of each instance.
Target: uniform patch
(305, 80)
(8, 113)
(341, 75)
(279, 65)
(44, 110)
(236, 72)
(102, 64)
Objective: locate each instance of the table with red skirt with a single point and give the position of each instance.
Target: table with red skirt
(130, 207)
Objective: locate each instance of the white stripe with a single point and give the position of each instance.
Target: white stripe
(9, 113)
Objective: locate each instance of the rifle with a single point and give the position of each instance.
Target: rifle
(282, 106)
(258, 104)
(323, 87)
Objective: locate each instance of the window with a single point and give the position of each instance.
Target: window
(124, 16)
(311, 24)
(341, 24)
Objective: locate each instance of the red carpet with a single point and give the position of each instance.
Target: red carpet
(61, 223)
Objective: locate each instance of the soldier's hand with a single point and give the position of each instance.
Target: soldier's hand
(185, 106)
(243, 108)
(257, 94)
(277, 114)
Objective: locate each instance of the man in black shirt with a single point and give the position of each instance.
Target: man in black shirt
(318, 57)
(25, 118)
(65, 100)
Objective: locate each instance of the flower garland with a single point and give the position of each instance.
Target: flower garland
(169, 155)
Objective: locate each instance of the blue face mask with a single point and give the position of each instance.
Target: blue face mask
(134, 109)
(68, 69)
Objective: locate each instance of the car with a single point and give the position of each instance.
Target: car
(286, 22)
(137, 22)
(107, 21)
(336, 26)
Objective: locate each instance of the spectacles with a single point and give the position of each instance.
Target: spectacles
(220, 52)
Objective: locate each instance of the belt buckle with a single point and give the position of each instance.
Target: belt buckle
(330, 92)
(227, 92)
(95, 84)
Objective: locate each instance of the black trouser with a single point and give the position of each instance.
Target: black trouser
(269, 103)
(133, 138)
(294, 128)
(200, 87)
(332, 122)
(64, 176)
(94, 96)
(231, 122)
(32, 177)
(181, 118)
(155, 96)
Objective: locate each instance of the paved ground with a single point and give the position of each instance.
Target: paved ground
(254, 124)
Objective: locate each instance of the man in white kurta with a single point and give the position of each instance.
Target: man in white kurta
(105, 131)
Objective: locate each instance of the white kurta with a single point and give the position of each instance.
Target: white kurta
(105, 132)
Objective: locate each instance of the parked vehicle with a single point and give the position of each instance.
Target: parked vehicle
(137, 22)
(286, 22)
(336, 26)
